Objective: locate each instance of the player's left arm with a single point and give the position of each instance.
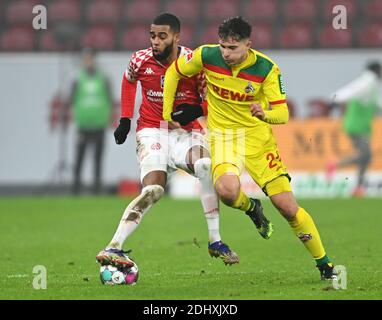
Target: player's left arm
(274, 91)
(185, 66)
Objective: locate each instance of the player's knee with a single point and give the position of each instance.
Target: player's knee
(228, 192)
(202, 167)
(155, 192)
(289, 210)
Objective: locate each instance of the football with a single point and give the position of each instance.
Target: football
(112, 275)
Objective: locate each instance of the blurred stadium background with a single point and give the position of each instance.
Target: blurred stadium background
(38, 66)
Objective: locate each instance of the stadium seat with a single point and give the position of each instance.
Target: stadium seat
(99, 37)
(136, 37)
(332, 38)
(350, 5)
(371, 35)
(262, 35)
(301, 9)
(318, 108)
(210, 34)
(102, 11)
(373, 9)
(186, 10)
(188, 35)
(218, 10)
(296, 35)
(138, 10)
(260, 10)
(48, 42)
(64, 11)
(17, 39)
(19, 13)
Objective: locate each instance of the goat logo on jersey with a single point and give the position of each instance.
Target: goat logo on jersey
(249, 88)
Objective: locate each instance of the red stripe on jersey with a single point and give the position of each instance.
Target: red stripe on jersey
(128, 93)
(250, 77)
(277, 102)
(218, 69)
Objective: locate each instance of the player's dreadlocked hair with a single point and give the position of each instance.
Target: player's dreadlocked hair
(236, 28)
(168, 19)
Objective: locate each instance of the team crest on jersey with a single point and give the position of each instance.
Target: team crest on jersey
(189, 56)
(249, 88)
(162, 81)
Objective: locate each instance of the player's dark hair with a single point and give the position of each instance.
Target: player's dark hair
(88, 51)
(374, 66)
(168, 19)
(236, 28)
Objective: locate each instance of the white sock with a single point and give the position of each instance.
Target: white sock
(212, 219)
(133, 214)
(209, 199)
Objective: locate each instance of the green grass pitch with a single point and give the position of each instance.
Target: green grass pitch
(170, 248)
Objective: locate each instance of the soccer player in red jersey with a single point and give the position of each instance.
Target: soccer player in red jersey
(161, 150)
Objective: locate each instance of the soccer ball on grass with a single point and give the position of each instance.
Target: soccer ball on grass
(112, 275)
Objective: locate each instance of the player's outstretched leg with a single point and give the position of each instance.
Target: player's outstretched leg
(210, 203)
(301, 223)
(131, 218)
(305, 229)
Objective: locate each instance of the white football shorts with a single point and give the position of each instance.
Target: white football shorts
(163, 150)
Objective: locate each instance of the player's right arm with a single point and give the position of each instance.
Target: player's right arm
(355, 89)
(184, 67)
(128, 93)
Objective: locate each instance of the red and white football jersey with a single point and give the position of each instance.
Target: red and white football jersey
(143, 67)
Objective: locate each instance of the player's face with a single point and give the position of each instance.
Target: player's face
(234, 52)
(163, 41)
(89, 62)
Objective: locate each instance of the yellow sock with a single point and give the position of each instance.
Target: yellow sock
(242, 202)
(304, 227)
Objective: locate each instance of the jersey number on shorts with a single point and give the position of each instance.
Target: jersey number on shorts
(272, 159)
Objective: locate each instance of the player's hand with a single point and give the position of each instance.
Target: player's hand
(122, 131)
(172, 125)
(257, 111)
(185, 113)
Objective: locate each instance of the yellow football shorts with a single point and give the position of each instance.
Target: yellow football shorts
(231, 154)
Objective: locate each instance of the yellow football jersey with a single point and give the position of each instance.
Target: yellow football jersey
(231, 90)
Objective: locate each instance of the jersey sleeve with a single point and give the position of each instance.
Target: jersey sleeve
(185, 66)
(354, 89)
(133, 68)
(274, 91)
(128, 93)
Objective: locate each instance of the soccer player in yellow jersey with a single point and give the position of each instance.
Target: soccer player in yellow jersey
(245, 95)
